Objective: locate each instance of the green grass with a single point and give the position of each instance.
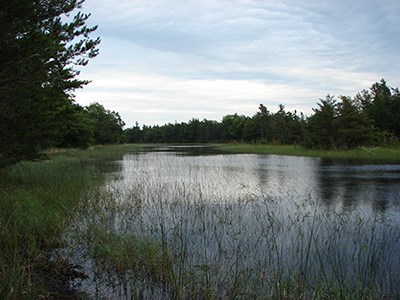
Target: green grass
(362, 153)
(214, 248)
(159, 237)
(209, 246)
(37, 202)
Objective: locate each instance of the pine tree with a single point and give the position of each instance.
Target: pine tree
(41, 47)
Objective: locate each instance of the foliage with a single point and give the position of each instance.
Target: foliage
(367, 119)
(107, 125)
(382, 105)
(78, 127)
(37, 200)
(282, 127)
(355, 128)
(322, 128)
(41, 46)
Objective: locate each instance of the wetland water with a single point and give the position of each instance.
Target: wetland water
(247, 224)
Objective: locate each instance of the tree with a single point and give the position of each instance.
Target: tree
(395, 105)
(251, 129)
(133, 135)
(192, 130)
(355, 128)
(322, 127)
(232, 127)
(279, 121)
(263, 115)
(380, 109)
(40, 50)
(294, 128)
(210, 131)
(78, 127)
(108, 125)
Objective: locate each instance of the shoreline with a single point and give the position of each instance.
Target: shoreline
(376, 154)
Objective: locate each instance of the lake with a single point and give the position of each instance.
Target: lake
(252, 226)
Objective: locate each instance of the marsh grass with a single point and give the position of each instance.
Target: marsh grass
(163, 237)
(361, 153)
(152, 231)
(38, 200)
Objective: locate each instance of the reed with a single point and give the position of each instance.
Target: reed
(152, 231)
(38, 200)
(211, 244)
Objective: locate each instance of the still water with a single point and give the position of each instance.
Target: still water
(238, 223)
(340, 185)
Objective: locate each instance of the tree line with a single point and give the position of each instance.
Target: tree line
(369, 118)
(44, 43)
(42, 46)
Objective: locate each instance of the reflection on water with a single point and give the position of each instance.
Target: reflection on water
(233, 224)
(333, 184)
(357, 185)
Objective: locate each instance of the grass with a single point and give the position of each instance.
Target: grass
(38, 200)
(242, 250)
(242, 246)
(115, 258)
(362, 153)
(155, 231)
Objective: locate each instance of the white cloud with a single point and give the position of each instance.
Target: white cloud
(163, 61)
(143, 95)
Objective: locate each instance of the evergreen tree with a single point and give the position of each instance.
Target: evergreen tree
(322, 127)
(355, 128)
(263, 115)
(380, 109)
(78, 127)
(40, 48)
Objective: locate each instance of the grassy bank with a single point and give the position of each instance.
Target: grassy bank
(378, 154)
(37, 202)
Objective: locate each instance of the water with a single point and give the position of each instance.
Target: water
(340, 185)
(238, 224)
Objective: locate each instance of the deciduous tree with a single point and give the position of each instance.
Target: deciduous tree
(107, 125)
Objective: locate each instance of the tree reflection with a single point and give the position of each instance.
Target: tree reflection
(349, 185)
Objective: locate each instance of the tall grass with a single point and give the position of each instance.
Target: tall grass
(38, 200)
(153, 230)
(162, 236)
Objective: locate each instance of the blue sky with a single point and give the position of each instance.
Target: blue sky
(169, 61)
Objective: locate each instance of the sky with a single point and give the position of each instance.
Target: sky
(167, 61)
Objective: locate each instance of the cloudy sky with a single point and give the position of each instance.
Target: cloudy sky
(166, 61)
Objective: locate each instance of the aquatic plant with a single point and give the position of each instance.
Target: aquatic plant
(229, 242)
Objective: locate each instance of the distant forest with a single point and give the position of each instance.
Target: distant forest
(371, 117)
(41, 53)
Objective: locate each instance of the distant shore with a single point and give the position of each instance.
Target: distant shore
(361, 153)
